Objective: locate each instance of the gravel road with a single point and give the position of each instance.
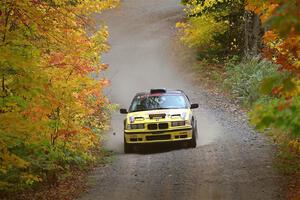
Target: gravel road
(231, 160)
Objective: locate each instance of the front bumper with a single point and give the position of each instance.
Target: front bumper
(159, 136)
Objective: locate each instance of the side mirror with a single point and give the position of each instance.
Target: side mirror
(123, 111)
(194, 105)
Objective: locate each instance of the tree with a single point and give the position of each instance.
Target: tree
(51, 109)
(228, 21)
(282, 46)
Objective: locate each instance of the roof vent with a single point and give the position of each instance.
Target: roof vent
(155, 91)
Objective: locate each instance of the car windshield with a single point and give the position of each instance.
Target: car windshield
(158, 101)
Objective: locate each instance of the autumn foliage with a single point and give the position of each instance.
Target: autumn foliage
(282, 45)
(252, 30)
(52, 108)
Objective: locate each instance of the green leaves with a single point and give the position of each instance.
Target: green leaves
(51, 109)
(281, 18)
(244, 79)
(278, 113)
(269, 83)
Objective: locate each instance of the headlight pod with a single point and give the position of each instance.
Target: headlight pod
(188, 122)
(131, 119)
(136, 126)
(183, 115)
(178, 123)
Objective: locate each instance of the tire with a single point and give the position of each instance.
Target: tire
(193, 142)
(128, 148)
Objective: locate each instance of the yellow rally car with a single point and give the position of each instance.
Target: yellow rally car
(159, 116)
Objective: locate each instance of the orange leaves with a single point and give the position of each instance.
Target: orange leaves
(282, 106)
(104, 66)
(284, 51)
(82, 67)
(277, 91)
(66, 134)
(282, 46)
(51, 103)
(282, 40)
(270, 37)
(57, 59)
(104, 82)
(265, 8)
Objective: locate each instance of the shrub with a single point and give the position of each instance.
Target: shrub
(244, 79)
(280, 113)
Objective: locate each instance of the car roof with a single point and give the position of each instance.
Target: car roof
(161, 91)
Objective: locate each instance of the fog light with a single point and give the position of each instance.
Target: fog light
(137, 126)
(178, 123)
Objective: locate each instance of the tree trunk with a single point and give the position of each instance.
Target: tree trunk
(253, 33)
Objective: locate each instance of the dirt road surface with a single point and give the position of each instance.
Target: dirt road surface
(231, 161)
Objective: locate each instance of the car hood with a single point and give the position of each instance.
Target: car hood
(161, 115)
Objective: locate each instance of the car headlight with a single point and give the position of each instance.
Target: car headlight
(188, 122)
(131, 119)
(178, 123)
(136, 126)
(183, 115)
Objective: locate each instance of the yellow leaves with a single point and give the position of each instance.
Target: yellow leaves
(294, 145)
(52, 105)
(199, 31)
(181, 25)
(99, 40)
(88, 7)
(9, 160)
(294, 91)
(194, 7)
(282, 39)
(5, 185)
(30, 179)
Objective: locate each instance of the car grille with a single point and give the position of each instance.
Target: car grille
(158, 126)
(163, 115)
(163, 125)
(158, 137)
(152, 126)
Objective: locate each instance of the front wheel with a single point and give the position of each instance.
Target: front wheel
(128, 148)
(193, 142)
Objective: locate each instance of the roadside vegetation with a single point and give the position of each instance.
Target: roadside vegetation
(256, 48)
(52, 110)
